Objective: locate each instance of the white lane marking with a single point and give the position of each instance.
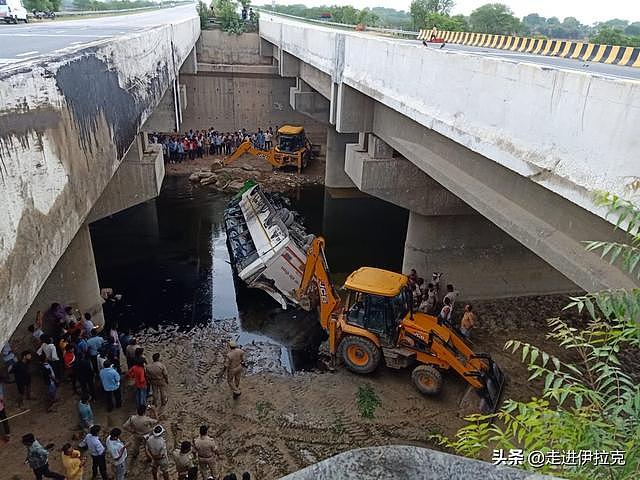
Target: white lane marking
(26, 53)
(65, 35)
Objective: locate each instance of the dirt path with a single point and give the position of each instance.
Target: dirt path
(284, 422)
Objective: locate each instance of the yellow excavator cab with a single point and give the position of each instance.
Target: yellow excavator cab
(290, 130)
(376, 281)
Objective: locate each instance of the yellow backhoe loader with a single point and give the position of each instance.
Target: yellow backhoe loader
(376, 323)
(294, 149)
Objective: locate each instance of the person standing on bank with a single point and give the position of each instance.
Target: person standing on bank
(158, 379)
(206, 449)
(118, 453)
(110, 380)
(38, 458)
(233, 367)
(96, 449)
(137, 374)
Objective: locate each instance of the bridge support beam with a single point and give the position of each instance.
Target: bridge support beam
(305, 100)
(480, 259)
(445, 234)
(335, 175)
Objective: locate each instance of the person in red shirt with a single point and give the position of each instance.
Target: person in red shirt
(192, 149)
(137, 374)
(69, 359)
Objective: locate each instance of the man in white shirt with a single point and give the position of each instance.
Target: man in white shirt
(96, 450)
(118, 453)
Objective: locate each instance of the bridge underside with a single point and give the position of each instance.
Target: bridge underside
(495, 231)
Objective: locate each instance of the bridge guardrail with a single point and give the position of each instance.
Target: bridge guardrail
(585, 51)
(346, 26)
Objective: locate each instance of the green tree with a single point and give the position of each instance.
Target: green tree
(614, 23)
(609, 36)
(39, 5)
(591, 401)
(535, 23)
(427, 14)
(367, 17)
(494, 18)
(203, 12)
(82, 4)
(226, 12)
(633, 29)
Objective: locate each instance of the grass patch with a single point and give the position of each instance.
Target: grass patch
(367, 400)
(263, 409)
(338, 427)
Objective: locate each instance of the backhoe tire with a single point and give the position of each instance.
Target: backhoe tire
(427, 379)
(360, 355)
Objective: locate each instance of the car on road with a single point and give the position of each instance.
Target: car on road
(12, 11)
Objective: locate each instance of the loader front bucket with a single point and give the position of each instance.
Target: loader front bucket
(493, 380)
(490, 395)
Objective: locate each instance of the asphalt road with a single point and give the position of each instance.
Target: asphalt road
(32, 40)
(552, 62)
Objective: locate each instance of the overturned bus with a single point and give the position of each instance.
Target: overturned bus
(267, 243)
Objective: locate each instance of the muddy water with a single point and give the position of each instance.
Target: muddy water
(168, 258)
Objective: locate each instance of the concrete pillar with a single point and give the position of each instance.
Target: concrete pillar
(335, 176)
(477, 257)
(190, 65)
(73, 281)
(354, 110)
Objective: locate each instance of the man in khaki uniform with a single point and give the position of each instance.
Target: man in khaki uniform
(156, 448)
(233, 366)
(206, 448)
(185, 462)
(158, 379)
(140, 426)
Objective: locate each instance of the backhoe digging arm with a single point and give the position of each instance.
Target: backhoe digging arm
(247, 147)
(316, 270)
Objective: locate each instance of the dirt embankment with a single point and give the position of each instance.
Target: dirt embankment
(210, 172)
(284, 422)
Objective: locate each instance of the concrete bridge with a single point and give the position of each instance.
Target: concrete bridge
(72, 148)
(496, 159)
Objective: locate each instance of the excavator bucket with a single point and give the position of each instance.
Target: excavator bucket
(493, 380)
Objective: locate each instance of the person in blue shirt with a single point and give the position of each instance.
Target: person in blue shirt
(110, 379)
(85, 412)
(94, 344)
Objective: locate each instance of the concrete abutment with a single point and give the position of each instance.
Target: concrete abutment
(73, 281)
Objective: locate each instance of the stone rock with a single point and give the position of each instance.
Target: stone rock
(209, 180)
(203, 174)
(194, 177)
(308, 457)
(248, 168)
(235, 185)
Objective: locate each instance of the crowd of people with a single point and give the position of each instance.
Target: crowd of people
(93, 361)
(196, 144)
(431, 299)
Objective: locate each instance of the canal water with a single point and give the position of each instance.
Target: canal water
(169, 260)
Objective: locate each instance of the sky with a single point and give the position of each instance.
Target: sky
(587, 11)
